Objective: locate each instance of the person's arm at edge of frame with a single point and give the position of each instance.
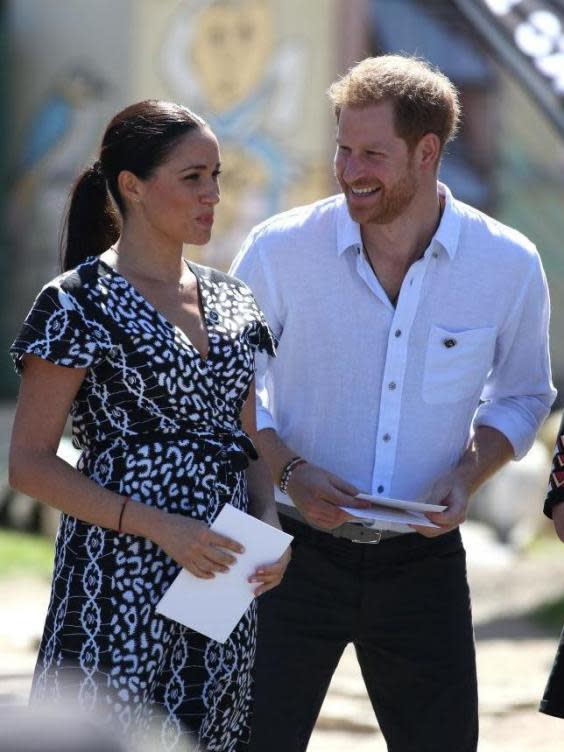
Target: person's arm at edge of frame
(558, 519)
(554, 502)
(46, 395)
(261, 501)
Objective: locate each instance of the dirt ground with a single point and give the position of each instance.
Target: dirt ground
(514, 655)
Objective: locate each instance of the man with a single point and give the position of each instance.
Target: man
(412, 364)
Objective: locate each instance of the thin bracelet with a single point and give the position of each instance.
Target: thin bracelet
(287, 471)
(124, 503)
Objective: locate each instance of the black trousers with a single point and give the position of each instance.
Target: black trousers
(553, 701)
(405, 605)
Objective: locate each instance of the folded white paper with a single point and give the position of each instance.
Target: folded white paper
(214, 607)
(384, 514)
(411, 506)
(383, 511)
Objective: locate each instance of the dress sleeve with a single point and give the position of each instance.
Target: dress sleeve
(56, 329)
(555, 491)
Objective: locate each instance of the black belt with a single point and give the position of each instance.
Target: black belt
(351, 531)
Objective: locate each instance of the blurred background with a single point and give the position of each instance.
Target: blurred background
(258, 71)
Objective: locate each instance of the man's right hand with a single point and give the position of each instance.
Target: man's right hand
(319, 496)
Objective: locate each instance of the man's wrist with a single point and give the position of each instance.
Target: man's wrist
(288, 470)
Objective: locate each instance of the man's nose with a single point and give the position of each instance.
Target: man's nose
(352, 170)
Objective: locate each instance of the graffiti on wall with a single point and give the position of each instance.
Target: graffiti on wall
(57, 138)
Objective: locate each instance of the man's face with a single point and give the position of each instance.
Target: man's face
(373, 164)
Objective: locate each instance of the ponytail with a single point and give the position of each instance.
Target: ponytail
(137, 139)
(91, 223)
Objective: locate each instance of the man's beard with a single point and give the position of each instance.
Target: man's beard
(393, 202)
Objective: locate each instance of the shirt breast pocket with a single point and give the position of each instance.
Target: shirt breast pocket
(456, 363)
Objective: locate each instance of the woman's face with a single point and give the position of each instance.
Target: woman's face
(179, 198)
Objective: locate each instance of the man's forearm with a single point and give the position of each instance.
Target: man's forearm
(274, 451)
(487, 452)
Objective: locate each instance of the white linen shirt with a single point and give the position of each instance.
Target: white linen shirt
(386, 397)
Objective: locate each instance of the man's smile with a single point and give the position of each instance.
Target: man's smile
(364, 191)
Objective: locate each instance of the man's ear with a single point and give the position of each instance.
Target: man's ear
(428, 151)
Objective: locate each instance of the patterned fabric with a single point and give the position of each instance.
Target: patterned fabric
(555, 491)
(157, 422)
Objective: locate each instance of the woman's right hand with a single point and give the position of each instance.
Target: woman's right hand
(194, 546)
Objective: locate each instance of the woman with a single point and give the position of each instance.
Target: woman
(154, 359)
(553, 700)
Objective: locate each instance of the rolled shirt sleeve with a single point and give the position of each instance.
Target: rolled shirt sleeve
(251, 269)
(519, 392)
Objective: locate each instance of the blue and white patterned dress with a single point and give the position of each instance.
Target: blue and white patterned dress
(156, 422)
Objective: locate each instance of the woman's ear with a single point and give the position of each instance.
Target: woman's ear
(130, 187)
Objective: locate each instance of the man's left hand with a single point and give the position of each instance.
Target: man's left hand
(451, 492)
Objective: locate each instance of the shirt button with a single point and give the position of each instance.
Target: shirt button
(449, 342)
(386, 437)
(392, 385)
(397, 333)
(435, 254)
(380, 489)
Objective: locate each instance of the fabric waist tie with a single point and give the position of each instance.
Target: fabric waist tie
(232, 447)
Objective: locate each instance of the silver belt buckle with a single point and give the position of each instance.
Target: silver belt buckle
(369, 526)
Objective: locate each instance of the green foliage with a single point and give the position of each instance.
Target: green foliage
(550, 615)
(23, 554)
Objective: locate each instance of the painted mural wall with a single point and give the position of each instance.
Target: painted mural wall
(257, 70)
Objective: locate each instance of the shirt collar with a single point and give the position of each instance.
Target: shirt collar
(447, 234)
(448, 231)
(348, 231)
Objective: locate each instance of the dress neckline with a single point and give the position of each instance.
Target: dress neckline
(202, 306)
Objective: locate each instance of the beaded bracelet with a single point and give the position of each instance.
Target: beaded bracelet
(287, 471)
(124, 503)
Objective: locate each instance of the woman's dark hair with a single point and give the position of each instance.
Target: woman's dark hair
(138, 139)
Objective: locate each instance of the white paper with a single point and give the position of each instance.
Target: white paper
(384, 514)
(411, 506)
(384, 511)
(214, 607)
(382, 517)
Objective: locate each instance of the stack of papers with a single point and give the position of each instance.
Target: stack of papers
(384, 514)
(214, 607)
(395, 511)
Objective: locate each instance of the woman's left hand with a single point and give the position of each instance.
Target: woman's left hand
(270, 575)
